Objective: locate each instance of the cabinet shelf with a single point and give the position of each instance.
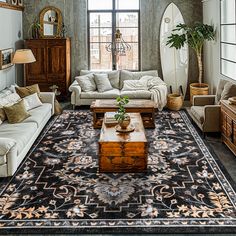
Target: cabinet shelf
(11, 7)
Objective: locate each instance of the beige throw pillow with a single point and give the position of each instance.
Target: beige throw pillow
(86, 82)
(32, 101)
(26, 91)
(229, 91)
(16, 113)
(102, 82)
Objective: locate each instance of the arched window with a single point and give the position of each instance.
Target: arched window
(113, 34)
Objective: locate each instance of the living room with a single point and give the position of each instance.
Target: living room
(117, 117)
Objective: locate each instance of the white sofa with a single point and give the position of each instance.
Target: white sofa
(117, 78)
(17, 139)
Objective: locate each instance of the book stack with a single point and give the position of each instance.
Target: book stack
(110, 118)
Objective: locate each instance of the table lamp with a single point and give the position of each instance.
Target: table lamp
(23, 56)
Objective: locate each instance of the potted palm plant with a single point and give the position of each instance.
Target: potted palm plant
(121, 116)
(194, 36)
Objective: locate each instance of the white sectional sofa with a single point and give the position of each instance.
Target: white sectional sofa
(117, 78)
(17, 139)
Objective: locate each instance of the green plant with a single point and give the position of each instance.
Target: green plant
(34, 29)
(194, 36)
(121, 114)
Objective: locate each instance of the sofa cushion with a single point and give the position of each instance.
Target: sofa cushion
(18, 133)
(198, 113)
(102, 82)
(140, 94)
(111, 94)
(38, 114)
(128, 75)
(113, 76)
(86, 82)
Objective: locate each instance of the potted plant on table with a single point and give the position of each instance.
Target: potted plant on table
(121, 116)
(194, 36)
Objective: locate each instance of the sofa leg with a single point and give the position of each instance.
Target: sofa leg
(73, 107)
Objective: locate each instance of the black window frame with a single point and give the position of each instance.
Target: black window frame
(113, 12)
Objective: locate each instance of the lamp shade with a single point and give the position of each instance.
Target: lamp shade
(23, 56)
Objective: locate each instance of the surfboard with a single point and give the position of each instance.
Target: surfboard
(175, 63)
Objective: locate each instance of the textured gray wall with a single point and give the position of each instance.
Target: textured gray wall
(75, 17)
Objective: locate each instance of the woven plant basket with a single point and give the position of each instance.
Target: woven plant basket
(198, 89)
(174, 101)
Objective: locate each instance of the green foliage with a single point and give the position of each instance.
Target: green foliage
(121, 114)
(194, 36)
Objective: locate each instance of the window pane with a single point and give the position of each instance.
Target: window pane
(101, 35)
(100, 58)
(127, 4)
(100, 20)
(228, 69)
(228, 51)
(227, 11)
(228, 33)
(127, 19)
(131, 60)
(99, 4)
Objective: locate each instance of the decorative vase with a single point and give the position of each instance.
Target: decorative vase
(174, 102)
(125, 123)
(198, 89)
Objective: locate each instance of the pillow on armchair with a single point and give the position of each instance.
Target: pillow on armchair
(229, 91)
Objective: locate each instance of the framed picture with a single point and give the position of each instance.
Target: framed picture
(20, 2)
(14, 2)
(6, 57)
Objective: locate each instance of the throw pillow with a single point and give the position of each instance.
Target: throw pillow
(133, 85)
(128, 75)
(32, 101)
(2, 115)
(113, 76)
(16, 113)
(102, 82)
(86, 82)
(228, 91)
(26, 91)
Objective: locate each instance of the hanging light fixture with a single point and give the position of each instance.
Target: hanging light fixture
(119, 47)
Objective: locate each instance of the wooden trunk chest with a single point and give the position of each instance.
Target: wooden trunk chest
(123, 152)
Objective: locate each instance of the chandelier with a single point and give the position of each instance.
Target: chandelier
(119, 47)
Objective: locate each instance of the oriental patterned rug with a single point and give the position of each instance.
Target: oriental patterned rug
(58, 188)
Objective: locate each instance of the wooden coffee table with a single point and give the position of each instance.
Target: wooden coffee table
(145, 107)
(123, 152)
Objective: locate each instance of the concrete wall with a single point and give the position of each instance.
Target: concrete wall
(10, 37)
(75, 17)
(211, 15)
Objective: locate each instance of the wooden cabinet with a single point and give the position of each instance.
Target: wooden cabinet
(228, 125)
(52, 66)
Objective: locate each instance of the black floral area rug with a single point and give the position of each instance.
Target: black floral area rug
(58, 188)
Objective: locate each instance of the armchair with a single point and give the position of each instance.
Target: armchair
(205, 111)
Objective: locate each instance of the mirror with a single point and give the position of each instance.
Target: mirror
(51, 22)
